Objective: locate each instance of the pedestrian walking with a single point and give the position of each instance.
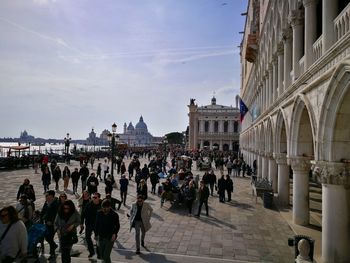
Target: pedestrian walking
(105, 169)
(140, 215)
(107, 228)
(109, 182)
(66, 223)
(84, 174)
(203, 195)
(26, 189)
(122, 168)
(154, 178)
(88, 217)
(75, 179)
(190, 196)
(92, 183)
(229, 187)
(124, 182)
(25, 211)
(48, 215)
(56, 175)
(98, 172)
(212, 182)
(66, 178)
(46, 179)
(222, 188)
(142, 189)
(14, 238)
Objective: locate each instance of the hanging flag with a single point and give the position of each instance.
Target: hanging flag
(243, 109)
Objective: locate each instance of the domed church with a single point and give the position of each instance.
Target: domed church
(136, 136)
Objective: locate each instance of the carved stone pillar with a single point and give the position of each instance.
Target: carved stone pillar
(296, 20)
(301, 169)
(310, 30)
(280, 61)
(335, 178)
(272, 172)
(283, 178)
(265, 166)
(259, 166)
(287, 46)
(274, 78)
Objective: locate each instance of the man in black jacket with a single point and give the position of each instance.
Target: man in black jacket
(92, 184)
(88, 216)
(75, 179)
(48, 215)
(203, 195)
(84, 174)
(107, 228)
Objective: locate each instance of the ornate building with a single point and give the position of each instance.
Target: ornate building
(296, 82)
(213, 126)
(138, 135)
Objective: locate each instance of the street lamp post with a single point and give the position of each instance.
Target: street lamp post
(113, 138)
(66, 146)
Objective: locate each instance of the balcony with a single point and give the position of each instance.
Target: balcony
(342, 23)
(230, 135)
(252, 47)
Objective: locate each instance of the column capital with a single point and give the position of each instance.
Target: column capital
(274, 59)
(296, 17)
(308, 3)
(299, 163)
(281, 158)
(335, 173)
(286, 34)
(269, 68)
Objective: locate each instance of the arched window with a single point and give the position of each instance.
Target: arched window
(206, 126)
(226, 126)
(216, 126)
(235, 126)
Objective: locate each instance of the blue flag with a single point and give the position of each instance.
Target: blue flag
(243, 109)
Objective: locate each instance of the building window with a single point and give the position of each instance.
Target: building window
(225, 126)
(216, 126)
(206, 126)
(235, 126)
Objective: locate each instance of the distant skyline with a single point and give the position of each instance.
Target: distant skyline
(69, 66)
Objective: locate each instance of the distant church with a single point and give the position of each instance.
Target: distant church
(136, 136)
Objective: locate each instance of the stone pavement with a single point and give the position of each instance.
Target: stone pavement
(236, 231)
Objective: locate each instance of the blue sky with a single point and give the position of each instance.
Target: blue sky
(70, 65)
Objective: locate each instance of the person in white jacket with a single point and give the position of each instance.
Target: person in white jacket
(13, 234)
(140, 216)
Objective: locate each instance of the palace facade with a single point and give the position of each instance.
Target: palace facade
(295, 68)
(213, 126)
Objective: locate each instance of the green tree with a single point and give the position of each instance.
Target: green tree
(174, 137)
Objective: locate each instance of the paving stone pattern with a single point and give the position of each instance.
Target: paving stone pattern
(240, 230)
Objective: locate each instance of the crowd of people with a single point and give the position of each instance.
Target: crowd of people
(98, 217)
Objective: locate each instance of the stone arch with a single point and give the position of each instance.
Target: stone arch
(281, 134)
(334, 127)
(302, 129)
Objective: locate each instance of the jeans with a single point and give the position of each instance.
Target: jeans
(105, 245)
(123, 196)
(75, 186)
(139, 227)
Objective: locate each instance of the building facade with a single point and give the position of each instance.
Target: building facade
(138, 135)
(295, 61)
(213, 126)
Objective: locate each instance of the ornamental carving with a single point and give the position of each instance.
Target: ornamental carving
(333, 173)
(296, 17)
(280, 158)
(299, 163)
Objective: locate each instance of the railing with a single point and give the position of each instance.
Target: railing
(317, 47)
(342, 22)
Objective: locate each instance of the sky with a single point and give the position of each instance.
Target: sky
(73, 65)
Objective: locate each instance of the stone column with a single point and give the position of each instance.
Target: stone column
(202, 144)
(283, 179)
(287, 46)
(296, 19)
(273, 173)
(259, 166)
(270, 100)
(335, 178)
(310, 30)
(274, 78)
(265, 166)
(329, 13)
(301, 169)
(280, 58)
(195, 138)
